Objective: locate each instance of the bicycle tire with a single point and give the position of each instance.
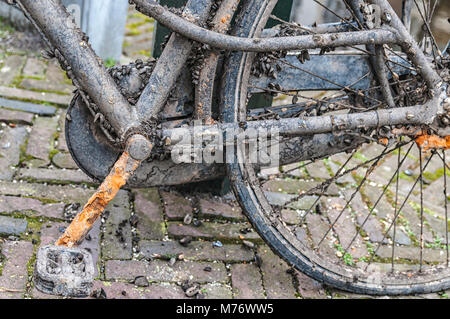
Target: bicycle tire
(253, 201)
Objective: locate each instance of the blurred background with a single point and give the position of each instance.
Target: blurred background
(308, 12)
(117, 32)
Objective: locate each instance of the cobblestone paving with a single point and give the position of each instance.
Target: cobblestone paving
(138, 36)
(136, 244)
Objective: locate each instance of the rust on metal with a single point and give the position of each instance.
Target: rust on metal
(427, 142)
(224, 21)
(410, 131)
(83, 222)
(384, 141)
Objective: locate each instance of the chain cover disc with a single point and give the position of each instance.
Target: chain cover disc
(95, 155)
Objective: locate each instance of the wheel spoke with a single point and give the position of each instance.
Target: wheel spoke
(346, 88)
(325, 189)
(335, 14)
(368, 172)
(397, 214)
(427, 25)
(396, 173)
(421, 208)
(445, 205)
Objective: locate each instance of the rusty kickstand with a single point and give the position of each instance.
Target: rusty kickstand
(63, 269)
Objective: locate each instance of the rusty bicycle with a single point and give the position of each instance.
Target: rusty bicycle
(357, 111)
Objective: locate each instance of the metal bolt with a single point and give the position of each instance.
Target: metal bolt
(409, 116)
(139, 147)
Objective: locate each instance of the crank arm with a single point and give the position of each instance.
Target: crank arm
(66, 270)
(137, 150)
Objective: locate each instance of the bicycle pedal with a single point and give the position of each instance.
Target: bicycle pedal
(64, 271)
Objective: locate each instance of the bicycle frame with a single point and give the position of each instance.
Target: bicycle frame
(127, 120)
(137, 127)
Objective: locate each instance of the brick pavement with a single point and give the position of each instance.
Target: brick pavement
(139, 235)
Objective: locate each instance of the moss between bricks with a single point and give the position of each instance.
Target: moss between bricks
(43, 200)
(32, 77)
(21, 53)
(33, 227)
(136, 25)
(428, 211)
(23, 156)
(360, 156)
(402, 221)
(56, 182)
(42, 91)
(30, 271)
(16, 81)
(34, 223)
(67, 80)
(13, 109)
(16, 98)
(141, 16)
(436, 175)
(133, 32)
(326, 163)
(5, 28)
(147, 53)
(53, 152)
(378, 259)
(163, 228)
(2, 260)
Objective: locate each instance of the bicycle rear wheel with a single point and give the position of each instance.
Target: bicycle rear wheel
(374, 221)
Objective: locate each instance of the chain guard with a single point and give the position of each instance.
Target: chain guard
(95, 155)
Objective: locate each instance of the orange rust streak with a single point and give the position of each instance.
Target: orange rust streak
(84, 221)
(384, 141)
(427, 142)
